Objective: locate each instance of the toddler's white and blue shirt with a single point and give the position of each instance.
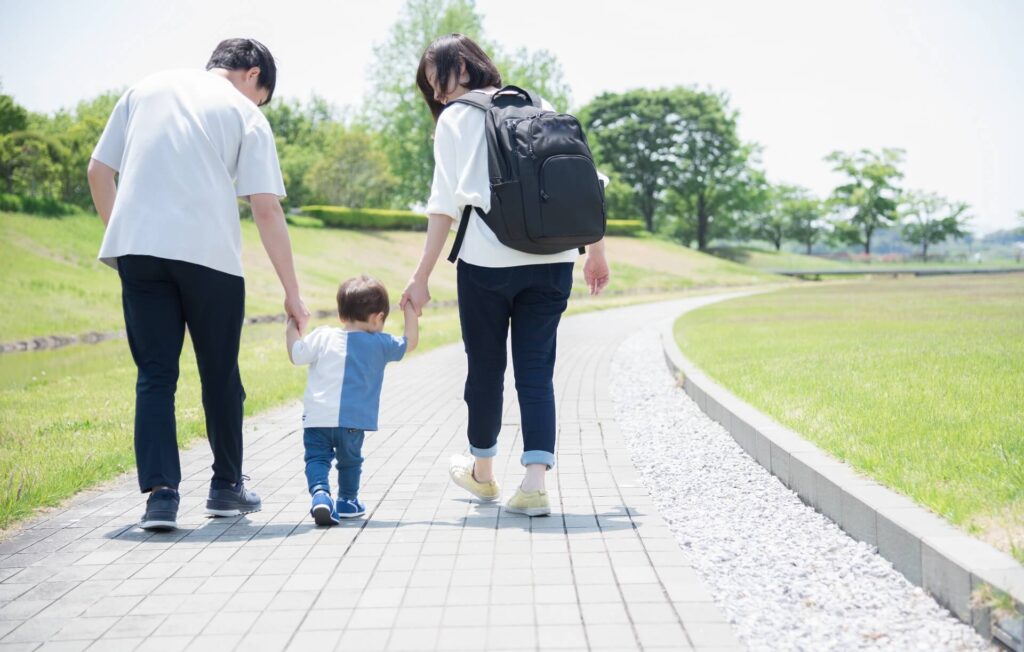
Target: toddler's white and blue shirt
(346, 372)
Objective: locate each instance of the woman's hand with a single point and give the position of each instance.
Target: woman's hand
(595, 270)
(418, 294)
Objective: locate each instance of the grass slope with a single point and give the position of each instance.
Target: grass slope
(764, 259)
(55, 286)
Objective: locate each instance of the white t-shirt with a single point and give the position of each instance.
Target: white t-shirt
(346, 373)
(186, 143)
(461, 178)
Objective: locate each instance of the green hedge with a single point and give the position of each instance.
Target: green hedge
(305, 221)
(629, 228)
(339, 217)
(36, 205)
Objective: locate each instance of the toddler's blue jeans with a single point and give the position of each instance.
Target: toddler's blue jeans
(326, 444)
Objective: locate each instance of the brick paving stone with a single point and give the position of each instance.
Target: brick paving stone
(428, 568)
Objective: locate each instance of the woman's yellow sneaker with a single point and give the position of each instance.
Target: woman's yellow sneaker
(460, 468)
(531, 503)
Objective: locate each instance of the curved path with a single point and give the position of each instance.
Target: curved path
(428, 569)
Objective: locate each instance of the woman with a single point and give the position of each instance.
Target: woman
(497, 286)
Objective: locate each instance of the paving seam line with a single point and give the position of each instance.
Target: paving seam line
(948, 564)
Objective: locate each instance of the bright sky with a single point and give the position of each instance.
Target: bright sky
(942, 79)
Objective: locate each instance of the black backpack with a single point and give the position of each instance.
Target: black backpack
(545, 193)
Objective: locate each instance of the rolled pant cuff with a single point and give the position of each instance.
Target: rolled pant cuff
(538, 457)
(320, 487)
(483, 452)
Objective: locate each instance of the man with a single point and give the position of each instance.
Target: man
(186, 143)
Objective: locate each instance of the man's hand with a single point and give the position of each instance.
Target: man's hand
(595, 271)
(296, 310)
(418, 294)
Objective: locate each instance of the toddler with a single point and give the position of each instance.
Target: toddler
(342, 399)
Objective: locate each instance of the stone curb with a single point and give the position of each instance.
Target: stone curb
(928, 551)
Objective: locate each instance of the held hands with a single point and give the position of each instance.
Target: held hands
(296, 310)
(417, 294)
(596, 272)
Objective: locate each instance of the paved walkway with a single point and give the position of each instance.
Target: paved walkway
(427, 569)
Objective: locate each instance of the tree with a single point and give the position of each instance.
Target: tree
(539, 71)
(302, 133)
(761, 216)
(632, 135)
(678, 150)
(713, 164)
(804, 216)
(13, 117)
(395, 106)
(353, 171)
(30, 164)
(932, 219)
(77, 131)
(871, 199)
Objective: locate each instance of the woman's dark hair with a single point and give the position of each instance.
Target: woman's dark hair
(362, 296)
(447, 54)
(243, 54)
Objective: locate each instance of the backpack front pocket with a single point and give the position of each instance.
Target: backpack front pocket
(571, 205)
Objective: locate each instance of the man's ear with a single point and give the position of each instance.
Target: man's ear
(252, 74)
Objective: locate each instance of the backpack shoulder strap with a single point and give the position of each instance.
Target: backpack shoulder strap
(467, 212)
(475, 98)
(514, 90)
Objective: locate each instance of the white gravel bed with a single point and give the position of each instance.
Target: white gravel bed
(786, 576)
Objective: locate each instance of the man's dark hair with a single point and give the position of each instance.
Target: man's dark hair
(447, 54)
(362, 296)
(243, 54)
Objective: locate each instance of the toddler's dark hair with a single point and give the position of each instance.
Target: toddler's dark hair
(362, 296)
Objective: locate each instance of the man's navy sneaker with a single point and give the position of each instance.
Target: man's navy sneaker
(322, 509)
(226, 499)
(349, 508)
(161, 511)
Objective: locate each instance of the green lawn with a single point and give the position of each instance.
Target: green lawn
(53, 284)
(918, 383)
(66, 414)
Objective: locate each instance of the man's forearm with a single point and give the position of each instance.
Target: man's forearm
(274, 236)
(103, 189)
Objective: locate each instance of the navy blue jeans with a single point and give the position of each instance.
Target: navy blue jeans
(160, 298)
(326, 444)
(530, 299)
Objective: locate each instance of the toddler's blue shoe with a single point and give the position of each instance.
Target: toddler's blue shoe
(322, 510)
(349, 508)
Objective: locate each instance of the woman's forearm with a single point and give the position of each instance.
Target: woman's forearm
(438, 227)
